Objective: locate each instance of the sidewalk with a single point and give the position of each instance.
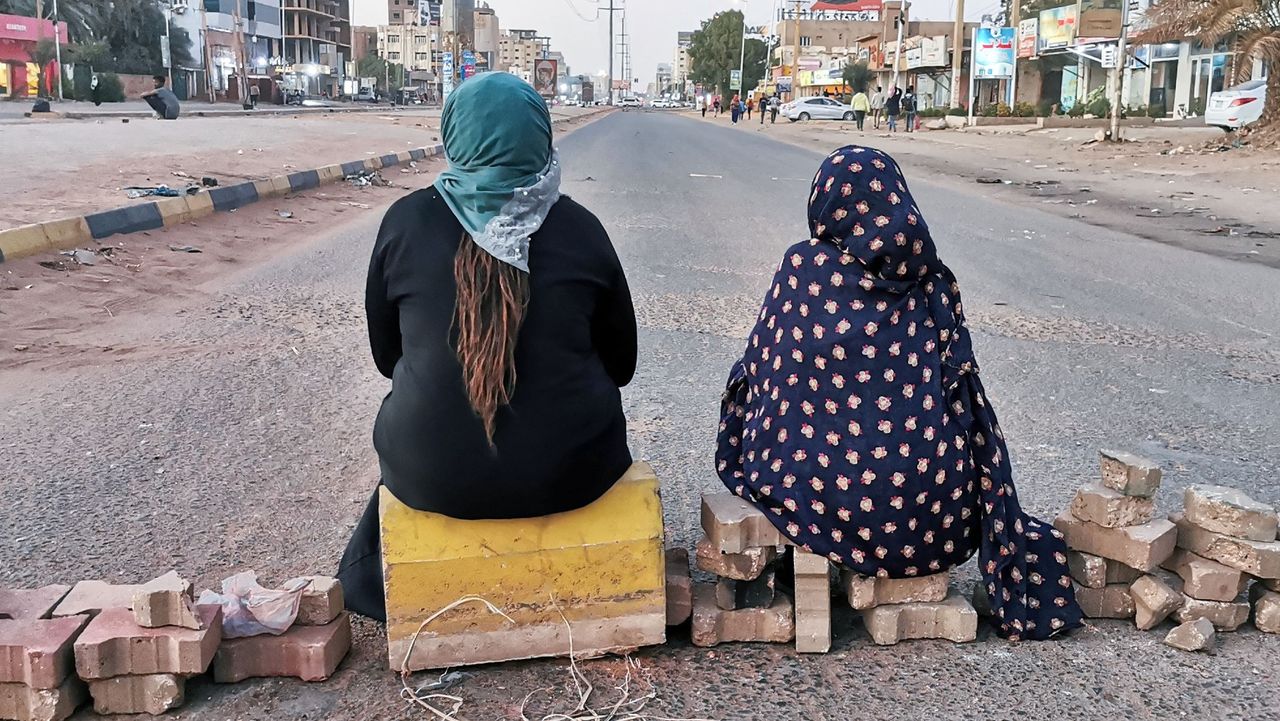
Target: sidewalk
(18, 109)
(61, 169)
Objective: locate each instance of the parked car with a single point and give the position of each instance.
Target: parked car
(806, 109)
(1237, 106)
(367, 95)
(631, 102)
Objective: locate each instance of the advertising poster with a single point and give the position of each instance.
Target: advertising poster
(993, 52)
(1100, 19)
(1057, 27)
(1028, 37)
(545, 72)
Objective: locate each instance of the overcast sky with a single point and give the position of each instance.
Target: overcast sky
(652, 24)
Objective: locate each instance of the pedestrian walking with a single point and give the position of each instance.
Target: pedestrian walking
(702, 105)
(774, 106)
(452, 272)
(861, 105)
(932, 502)
(909, 108)
(718, 106)
(893, 107)
(735, 109)
(254, 93)
(750, 104)
(877, 106)
(764, 107)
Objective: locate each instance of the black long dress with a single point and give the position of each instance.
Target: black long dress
(559, 445)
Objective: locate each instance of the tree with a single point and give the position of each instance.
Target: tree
(83, 17)
(372, 66)
(1254, 26)
(42, 55)
(717, 49)
(857, 76)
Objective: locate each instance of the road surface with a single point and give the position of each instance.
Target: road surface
(231, 431)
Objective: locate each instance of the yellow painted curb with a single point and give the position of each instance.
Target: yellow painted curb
(330, 173)
(273, 187)
(173, 211)
(23, 241)
(67, 232)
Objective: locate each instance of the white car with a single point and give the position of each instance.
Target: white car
(630, 103)
(806, 109)
(1238, 106)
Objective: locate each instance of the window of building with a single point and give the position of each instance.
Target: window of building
(393, 38)
(422, 56)
(805, 41)
(393, 56)
(395, 16)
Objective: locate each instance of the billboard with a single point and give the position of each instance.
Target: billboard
(1057, 27)
(1100, 19)
(844, 10)
(1028, 38)
(545, 72)
(993, 51)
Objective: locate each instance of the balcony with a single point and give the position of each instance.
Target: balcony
(321, 8)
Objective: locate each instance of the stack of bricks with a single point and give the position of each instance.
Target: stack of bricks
(903, 609)
(1226, 539)
(144, 643)
(37, 682)
(743, 605)
(1116, 542)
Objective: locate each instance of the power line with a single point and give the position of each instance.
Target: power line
(577, 12)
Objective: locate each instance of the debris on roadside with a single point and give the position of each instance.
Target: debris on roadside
(185, 249)
(209, 182)
(21, 347)
(362, 206)
(1220, 230)
(993, 181)
(163, 191)
(286, 214)
(366, 179)
(55, 265)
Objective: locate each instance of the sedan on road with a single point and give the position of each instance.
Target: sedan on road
(1237, 106)
(816, 109)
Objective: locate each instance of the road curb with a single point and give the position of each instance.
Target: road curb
(68, 233)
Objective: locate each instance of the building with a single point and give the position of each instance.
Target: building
(413, 46)
(364, 41)
(682, 65)
(19, 77)
(517, 49)
(317, 44)
(215, 39)
(488, 36)
(562, 65)
(662, 81)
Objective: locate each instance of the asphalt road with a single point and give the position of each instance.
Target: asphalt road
(236, 435)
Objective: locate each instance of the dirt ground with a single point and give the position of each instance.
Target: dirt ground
(1162, 184)
(50, 316)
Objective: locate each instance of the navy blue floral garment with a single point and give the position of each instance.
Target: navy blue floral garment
(856, 419)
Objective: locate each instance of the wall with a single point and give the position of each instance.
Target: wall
(135, 85)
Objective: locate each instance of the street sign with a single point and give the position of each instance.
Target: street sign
(468, 64)
(165, 57)
(1110, 56)
(446, 71)
(735, 79)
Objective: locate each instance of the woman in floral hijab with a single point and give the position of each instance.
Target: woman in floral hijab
(857, 421)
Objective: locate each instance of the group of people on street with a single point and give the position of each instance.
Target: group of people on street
(765, 106)
(889, 106)
(885, 456)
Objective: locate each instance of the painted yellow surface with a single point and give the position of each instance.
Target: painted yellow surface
(23, 241)
(199, 205)
(599, 562)
(174, 211)
(273, 187)
(67, 232)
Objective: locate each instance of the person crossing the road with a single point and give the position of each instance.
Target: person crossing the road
(877, 106)
(861, 105)
(893, 107)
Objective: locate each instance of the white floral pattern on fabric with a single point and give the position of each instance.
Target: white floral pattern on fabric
(506, 236)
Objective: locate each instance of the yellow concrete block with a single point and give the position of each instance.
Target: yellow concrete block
(373, 164)
(23, 241)
(199, 205)
(330, 174)
(66, 233)
(599, 569)
(174, 211)
(273, 187)
(404, 156)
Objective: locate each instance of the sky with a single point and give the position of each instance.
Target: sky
(581, 31)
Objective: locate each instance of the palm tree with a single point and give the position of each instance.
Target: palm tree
(84, 18)
(1254, 26)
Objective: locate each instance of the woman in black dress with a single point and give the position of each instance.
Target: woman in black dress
(500, 312)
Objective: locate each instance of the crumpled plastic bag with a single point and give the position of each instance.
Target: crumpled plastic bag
(248, 609)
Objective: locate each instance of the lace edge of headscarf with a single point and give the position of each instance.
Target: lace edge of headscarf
(506, 235)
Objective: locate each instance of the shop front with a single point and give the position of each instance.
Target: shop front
(19, 76)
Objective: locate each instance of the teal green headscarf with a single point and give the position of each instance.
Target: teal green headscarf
(503, 174)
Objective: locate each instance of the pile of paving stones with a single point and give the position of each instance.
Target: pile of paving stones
(1193, 567)
(132, 648)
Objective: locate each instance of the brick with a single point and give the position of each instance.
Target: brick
(1204, 579)
(1224, 615)
(1130, 474)
(1110, 508)
(952, 619)
(679, 587)
(166, 601)
(1093, 571)
(1142, 547)
(91, 597)
(733, 525)
(1153, 601)
(601, 566)
(812, 602)
(1229, 512)
(115, 645)
(151, 694)
(1266, 608)
(1197, 635)
(868, 592)
(311, 653)
(321, 602)
(1256, 558)
(745, 566)
(1110, 601)
(38, 652)
(30, 602)
(713, 625)
(759, 593)
(23, 703)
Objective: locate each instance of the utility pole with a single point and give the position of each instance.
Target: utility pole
(57, 47)
(957, 54)
(795, 57)
(207, 52)
(611, 11)
(625, 47)
(1017, 47)
(901, 22)
(1122, 62)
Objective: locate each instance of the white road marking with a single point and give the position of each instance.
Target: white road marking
(699, 175)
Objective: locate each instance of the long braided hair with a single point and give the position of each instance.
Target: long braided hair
(493, 298)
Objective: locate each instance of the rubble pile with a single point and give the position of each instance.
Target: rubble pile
(132, 648)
